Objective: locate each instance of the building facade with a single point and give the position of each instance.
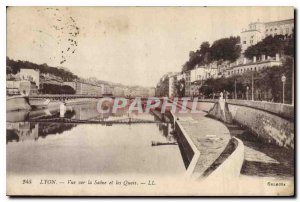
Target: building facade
(118, 91)
(26, 82)
(106, 89)
(30, 75)
(254, 65)
(188, 83)
(257, 31)
(21, 87)
(151, 92)
(82, 88)
(50, 79)
(172, 84)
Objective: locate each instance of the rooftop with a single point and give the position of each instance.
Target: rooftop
(253, 63)
(281, 21)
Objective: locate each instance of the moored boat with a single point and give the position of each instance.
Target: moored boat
(39, 102)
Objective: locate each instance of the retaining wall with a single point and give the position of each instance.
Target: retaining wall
(231, 167)
(268, 127)
(283, 110)
(189, 152)
(271, 122)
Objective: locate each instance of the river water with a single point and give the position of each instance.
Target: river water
(37, 145)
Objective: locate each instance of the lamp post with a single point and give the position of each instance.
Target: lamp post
(247, 92)
(252, 88)
(235, 89)
(283, 79)
(293, 83)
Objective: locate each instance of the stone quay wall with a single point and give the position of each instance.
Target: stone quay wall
(271, 122)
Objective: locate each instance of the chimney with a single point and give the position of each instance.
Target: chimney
(268, 57)
(237, 62)
(245, 61)
(277, 57)
(254, 58)
(263, 57)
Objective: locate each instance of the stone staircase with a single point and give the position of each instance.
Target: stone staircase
(220, 111)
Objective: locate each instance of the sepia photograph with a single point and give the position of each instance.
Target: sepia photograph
(150, 101)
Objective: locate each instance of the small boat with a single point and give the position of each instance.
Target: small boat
(39, 102)
(153, 143)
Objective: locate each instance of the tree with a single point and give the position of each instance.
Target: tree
(204, 53)
(221, 50)
(57, 89)
(269, 46)
(289, 48)
(204, 47)
(267, 83)
(8, 70)
(65, 74)
(162, 89)
(180, 88)
(194, 59)
(226, 49)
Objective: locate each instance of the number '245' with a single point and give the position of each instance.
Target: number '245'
(26, 181)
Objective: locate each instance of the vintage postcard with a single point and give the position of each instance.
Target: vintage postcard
(150, 101)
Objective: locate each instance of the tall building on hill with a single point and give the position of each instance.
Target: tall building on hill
(30, 75)
(257, 31)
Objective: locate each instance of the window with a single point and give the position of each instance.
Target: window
(267, 30)
(251, 41)
(244, 42)
(287, 30)
(271, 30)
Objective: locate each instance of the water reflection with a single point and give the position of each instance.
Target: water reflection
(19, 128)
(34, 145)
(30, 125)
(25, 131)
(21, 132)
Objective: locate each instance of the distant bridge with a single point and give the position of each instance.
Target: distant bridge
(77, 121)
(74, 96)
(65, 96)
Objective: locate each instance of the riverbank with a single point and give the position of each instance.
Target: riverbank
(15, 103)
(204, 141)
(259, 160)
(80, 101)
(19, 103)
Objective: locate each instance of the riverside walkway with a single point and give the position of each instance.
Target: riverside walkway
(209, 136)
(263, 159)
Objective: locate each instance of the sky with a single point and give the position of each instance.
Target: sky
(128, 45)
